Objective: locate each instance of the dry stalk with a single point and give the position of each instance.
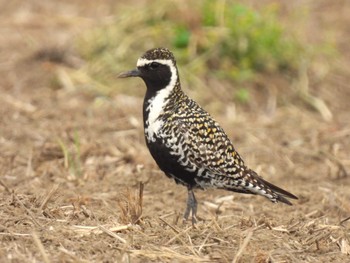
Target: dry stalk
(169, 225)
(243, 246)
(204, 242)
(317, 238)
(177, 236)
(344, 246)
(49, 196)
(112, 234)
(304, 93)
(156, 253)
(40, 247)
(344, 220)
(131, 206)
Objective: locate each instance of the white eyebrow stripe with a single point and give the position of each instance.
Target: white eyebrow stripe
(143, 61)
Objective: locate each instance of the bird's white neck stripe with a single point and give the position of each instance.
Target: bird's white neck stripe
(157, 102)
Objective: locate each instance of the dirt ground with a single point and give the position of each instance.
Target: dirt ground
(72, 162)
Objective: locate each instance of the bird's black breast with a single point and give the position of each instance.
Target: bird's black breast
(169, 164)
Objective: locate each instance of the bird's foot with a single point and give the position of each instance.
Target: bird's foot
(193, 219)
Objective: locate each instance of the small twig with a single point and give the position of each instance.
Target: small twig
(15, 234)
(157, 253)
(344, 246)
(141, 195)
(65, 80)
(203, 243)
(192, 246)
(6, 187)
(120, 228)
(322, 227)
(112, 229)
(280, 229)
(140, 201)
(313, 239)
(172, 227)
(48, 197)
(344, 220)
(304, 93)
(29, 169)
(215, 224)
(177, 236)
(112, 234)
(40, 247)
(243, 246)
(167, 215)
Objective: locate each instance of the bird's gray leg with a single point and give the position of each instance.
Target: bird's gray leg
(191, 206)
(194, 208)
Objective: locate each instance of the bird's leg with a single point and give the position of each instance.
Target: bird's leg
(191, 206)
(194, 209)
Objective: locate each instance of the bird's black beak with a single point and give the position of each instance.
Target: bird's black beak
(131, 73)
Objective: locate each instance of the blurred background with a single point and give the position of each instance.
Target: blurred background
(274, 74)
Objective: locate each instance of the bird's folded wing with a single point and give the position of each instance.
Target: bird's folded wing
(209, 148)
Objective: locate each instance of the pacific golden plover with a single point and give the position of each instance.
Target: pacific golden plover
(186, 142)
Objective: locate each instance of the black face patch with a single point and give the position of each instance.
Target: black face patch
(156, 75)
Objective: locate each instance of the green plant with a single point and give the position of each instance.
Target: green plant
(224, 39)
(242, 95)
(72, 157)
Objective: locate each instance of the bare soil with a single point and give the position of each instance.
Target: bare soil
(72, 162)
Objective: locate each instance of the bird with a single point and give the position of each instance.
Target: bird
(187, 144)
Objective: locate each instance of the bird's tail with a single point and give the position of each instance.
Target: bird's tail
(278, 194)
(252, 183)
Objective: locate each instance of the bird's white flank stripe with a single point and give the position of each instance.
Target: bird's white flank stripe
(156, 103)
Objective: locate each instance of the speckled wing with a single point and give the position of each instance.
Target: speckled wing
(202, 145)
(209, 148)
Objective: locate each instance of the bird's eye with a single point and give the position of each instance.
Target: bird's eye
(154, 65)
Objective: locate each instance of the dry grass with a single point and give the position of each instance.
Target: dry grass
(131, 206)
(68, 156)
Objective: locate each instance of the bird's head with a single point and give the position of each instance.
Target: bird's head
(157, 68)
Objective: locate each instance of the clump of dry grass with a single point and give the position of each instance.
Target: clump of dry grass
(130, 205)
